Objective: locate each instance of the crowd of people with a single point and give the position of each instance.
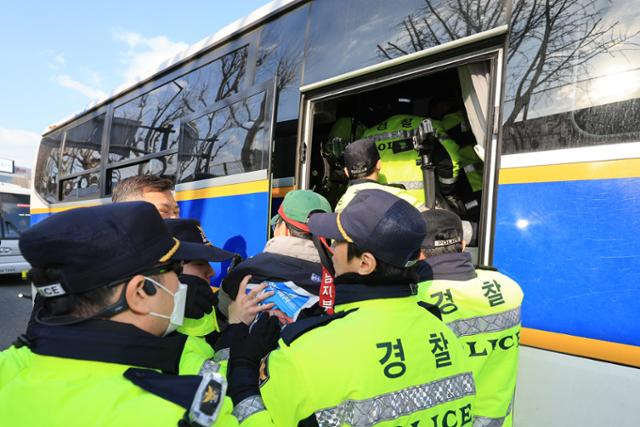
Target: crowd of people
(127, 330)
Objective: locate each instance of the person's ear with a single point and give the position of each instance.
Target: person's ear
(422, 255)
(367, 264)
(346, 172)
(379, 165)
(139, 298)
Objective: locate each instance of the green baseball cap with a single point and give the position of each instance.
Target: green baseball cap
(298, 204)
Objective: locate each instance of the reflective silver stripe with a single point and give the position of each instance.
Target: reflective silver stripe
(473, 167)
(491, 323)
(491, 422)
(411, 185)
(248, 407)
(209, 365)
(397, 404)
(448, 180)
(391, 135)
(471, 204)
(487, 422)
(221, 355)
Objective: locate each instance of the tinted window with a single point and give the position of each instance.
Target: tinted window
(348, 35)
(213, 82)
(573, 76)
(81, 187)
(163, 166)
(149, 123)
(14, 215)
(227, 141)
(82, 147)
(45, 178)
(280, 54)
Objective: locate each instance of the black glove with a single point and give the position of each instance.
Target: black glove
(200, 297)
(247, 350)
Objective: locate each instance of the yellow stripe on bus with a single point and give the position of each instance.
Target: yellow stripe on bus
(224, 190)
(201, 193)
(627, 168)
(57, 209)
(595, 349)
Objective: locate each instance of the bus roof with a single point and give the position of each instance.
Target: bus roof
(239, 26)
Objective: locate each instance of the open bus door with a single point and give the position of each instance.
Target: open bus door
(466, 72)
(229, 189)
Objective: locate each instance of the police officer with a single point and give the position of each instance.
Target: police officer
(382, 358)
(362, 167)
(100, 350)
(469, 188)
(482, 307)
(200, 323)
(343, 131)
(392, 138)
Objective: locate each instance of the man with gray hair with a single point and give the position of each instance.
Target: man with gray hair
(148, 188)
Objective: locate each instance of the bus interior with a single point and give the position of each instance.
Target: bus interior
(428, 96)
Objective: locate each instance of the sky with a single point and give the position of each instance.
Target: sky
(58, 57)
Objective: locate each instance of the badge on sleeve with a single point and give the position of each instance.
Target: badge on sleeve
(209, 398)
(264, 370)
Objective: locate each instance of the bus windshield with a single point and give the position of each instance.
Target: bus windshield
(14, 215)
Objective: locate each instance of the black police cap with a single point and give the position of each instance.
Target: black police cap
(190, 230)
(378, 222)
(93, 247)
(444, 228)
(361, 157)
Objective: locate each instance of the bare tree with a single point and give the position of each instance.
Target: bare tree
(550, 42)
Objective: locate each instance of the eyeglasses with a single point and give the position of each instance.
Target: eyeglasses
(175, 266)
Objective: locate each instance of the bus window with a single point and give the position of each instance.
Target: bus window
(226, 141)
(86, 186)
(163, 166)
(46, 172)
(82, 147)
(14, 215)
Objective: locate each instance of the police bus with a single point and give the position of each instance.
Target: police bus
(550, 96)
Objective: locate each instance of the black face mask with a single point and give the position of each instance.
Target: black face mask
(200, 298)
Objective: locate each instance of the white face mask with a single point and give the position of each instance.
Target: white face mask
(177, 314)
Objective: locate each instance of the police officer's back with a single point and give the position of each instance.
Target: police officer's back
(100, 350)
(383, 358)
(362, 166)
(482, 307)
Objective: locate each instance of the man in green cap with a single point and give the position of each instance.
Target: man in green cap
(289, 256)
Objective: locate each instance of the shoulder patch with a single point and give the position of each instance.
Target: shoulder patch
(486, 267)
(179, 389)
(291, 332)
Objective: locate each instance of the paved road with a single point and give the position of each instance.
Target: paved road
(14, 311)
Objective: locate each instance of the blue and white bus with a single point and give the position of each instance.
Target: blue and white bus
(551, 94)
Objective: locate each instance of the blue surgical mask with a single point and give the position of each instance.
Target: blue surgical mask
(176, 318)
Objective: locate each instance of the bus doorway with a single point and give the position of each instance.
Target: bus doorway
(388, 110)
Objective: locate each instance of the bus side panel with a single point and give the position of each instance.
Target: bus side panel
(37, 217)
(574, 248)
(237, 223)
(560, 390)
